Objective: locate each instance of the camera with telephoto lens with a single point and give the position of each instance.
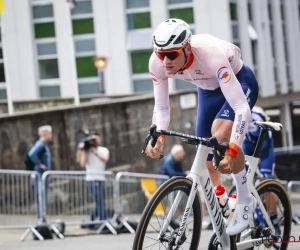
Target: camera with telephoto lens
(88, 142)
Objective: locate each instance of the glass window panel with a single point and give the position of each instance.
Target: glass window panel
(180, 84)
(43, 30)
(50, 91)
(233, 11)
(140, 61)
(270, 11)
(179, 1)
(282, 11)
(48, 69)
(250, 11)
(0, 34)
(130, 4)
(1, 53)
(89, 88)
(235, 31)
(3, 94)
(186, 14)
(83, 26)
(85, 45)
(2, 73)
(82, 8)
(46, 49)
(85, 67)
(42, 11)
(143, 85)
(138, 20)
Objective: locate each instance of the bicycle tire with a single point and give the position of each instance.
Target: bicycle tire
(279, 190)
(180, 184)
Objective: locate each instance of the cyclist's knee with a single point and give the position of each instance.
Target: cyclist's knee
(221, 129)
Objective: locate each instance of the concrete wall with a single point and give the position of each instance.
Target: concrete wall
(123, 125)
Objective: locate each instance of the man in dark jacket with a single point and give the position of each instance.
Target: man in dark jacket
(172, 166)
(40, 156)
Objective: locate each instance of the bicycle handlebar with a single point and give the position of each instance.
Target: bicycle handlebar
(218, 147)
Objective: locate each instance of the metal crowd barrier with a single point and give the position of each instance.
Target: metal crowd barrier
(130, 198)
(67, 197)
(20, 200)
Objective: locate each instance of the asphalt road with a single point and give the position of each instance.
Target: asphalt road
(9, 240)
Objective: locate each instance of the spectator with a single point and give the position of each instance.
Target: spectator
(172, 166)
(40, 156)
(94, 159)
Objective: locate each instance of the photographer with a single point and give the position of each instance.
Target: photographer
(94, 157)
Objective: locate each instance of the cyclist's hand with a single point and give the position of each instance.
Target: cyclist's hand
(157, 150)
(225, 166)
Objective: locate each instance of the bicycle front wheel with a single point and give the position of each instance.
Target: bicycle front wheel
(155, 214)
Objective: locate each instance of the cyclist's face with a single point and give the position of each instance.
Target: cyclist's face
(172, 66)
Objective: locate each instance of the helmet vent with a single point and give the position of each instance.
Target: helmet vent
(181, 37)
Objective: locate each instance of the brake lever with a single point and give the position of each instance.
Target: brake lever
(152, 133)
(219, 150)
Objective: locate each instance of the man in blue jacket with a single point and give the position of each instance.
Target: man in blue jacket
(40, 156)
(172, 166)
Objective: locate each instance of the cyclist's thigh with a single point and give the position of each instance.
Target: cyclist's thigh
(209, 104)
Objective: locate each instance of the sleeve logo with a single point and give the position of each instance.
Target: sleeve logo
(224, 75)
(156, 81)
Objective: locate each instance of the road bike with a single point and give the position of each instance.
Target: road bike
(179, 227)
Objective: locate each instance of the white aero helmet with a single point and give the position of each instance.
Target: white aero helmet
(170, 34)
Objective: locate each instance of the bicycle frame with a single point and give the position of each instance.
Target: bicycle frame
(201, 179)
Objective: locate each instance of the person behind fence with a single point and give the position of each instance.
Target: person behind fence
(93, 158)
(172, 165)
(40, 155)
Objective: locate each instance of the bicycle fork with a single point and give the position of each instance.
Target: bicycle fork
(186, 214)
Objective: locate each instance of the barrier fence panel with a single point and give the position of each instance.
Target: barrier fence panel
(294, 193)
(68, 196)
(134, 190)
(20, 200)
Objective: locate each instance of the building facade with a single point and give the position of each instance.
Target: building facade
(48, 49)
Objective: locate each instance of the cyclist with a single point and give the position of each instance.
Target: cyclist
(267, 160)
(227, 91)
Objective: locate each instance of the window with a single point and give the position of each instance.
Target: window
(140, 61)
(143, 85)
(85, 45)
(50, 91)
(270, 11)
(89, 88)
(180, 84)
(43, 30)
(82, 7)
(235, 31)
(179, 1)
(233, 11)
(2, 73)
(138, 20)
(46, 49)
(42, 11)
(130, 4)
(3, 94)
(185, 14)
(48, 69)
(249, 11)
(83, 26)
(85, 67)
(282, 11)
